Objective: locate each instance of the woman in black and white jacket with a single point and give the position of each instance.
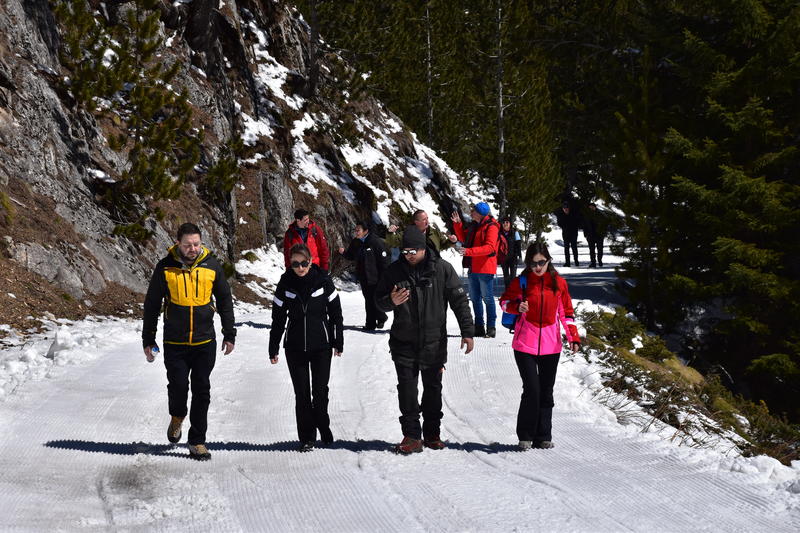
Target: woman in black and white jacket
(307, 297)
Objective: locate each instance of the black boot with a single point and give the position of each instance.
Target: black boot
(491, 332)
(479, 330)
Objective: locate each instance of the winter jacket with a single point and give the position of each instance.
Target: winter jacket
(537, 331)
(434, 238)
(312, 306)
(569, 223)
(480, 245)
(370, 257)
(314, 239)
(514, 245)
(595, 224)
(419, 329)
(188, 294)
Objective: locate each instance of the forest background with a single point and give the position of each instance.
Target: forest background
(683, 115)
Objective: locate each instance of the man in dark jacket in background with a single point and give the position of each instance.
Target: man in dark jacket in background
(569, 221)
(371, 260)
(185, 281)
(417, 288)
(594, 229)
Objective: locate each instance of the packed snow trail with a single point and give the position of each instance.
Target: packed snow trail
(85, 449)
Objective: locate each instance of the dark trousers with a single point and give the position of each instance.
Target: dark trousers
(374, 315)
(570, 241)
(196, 363)
(408, 397)
(595, 245)
(310, 391)
(535, 417)
(509, 271)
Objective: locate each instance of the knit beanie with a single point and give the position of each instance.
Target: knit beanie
(413, 238)
(482, 208)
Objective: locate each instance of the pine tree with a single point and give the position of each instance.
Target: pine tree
(116, 67)
(742, 183)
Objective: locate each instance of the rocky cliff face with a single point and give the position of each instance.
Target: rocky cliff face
(311, 140)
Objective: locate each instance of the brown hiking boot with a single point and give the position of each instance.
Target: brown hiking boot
(434, 443)
(174, 430)
(199, 452)
(409, 446)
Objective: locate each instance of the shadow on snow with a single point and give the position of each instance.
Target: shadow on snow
(357, 446)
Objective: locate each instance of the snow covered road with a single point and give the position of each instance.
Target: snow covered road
(83, 448)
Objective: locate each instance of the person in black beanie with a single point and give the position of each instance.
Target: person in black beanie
(307, 297)
(418, 288)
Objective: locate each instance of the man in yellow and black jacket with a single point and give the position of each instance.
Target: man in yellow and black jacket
(188, 282)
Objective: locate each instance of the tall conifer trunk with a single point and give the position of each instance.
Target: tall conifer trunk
(501, 140)
(429, 72)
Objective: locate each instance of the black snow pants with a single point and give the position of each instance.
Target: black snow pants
(570, 239)
(535, 417)
(374, 315)
(408, 397)
(195, 363)
(310, 372)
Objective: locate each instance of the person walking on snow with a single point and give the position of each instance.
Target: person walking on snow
(371, 260)
(480, 252)
(307, 298)
(417, 288)
(188, 281)
(569, 221)
(594, 230)
(514, 254)
(542, 305)
(305, 231)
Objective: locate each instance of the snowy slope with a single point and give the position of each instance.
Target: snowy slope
(84, 449)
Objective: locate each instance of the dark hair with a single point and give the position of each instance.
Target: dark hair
(299, 214)
(541, 248)
(300, 249)
(507, 219)
(417, 213)
(187, 228)
(363, 225)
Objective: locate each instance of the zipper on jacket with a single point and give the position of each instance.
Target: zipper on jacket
(305, 327)
(541, 316)
(185, 286)
(197, 284)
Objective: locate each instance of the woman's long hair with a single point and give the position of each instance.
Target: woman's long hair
(541, 248)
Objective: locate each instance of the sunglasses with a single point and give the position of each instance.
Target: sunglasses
(298, 264)
(408, 252)
(539, 263)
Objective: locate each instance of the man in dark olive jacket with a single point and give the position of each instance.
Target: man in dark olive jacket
(417, 288)
(371, 260)
(187, 281)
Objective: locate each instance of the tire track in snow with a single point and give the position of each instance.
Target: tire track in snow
(53, 409)
(628, 495)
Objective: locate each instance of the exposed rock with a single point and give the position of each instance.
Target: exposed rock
(245, 66)
(61, 265)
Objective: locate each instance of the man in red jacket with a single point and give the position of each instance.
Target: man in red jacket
(304, 230)
(480, 249)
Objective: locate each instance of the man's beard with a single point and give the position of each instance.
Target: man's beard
(187, 259)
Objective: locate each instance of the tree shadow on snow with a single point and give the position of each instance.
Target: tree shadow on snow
(178, 450)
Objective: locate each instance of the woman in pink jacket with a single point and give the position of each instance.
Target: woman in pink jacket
(544, 307)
